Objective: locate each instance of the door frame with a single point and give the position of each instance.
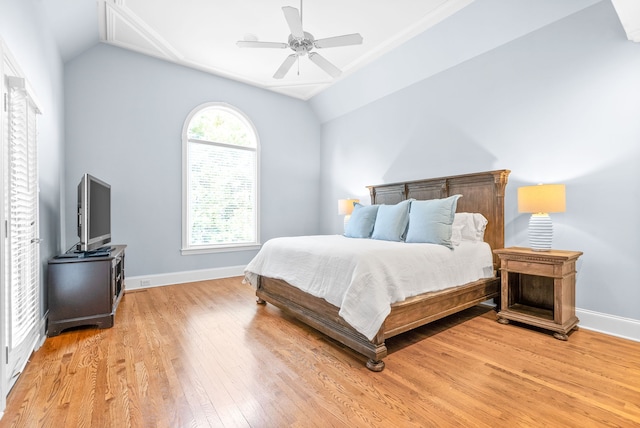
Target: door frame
(4, 57)
(9, 67)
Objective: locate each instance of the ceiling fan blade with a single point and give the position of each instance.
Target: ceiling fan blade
(286, 65)
(333, 42)
(248, 44)
(321, 62)
(292, 15)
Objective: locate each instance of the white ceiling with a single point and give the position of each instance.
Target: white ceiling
(202, 34)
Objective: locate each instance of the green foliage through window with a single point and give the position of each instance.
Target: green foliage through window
(221, 126)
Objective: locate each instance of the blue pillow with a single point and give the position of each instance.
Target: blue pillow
(360, 225)
(430, 221)
(391, 222)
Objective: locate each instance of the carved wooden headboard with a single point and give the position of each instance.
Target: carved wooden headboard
(482, 192)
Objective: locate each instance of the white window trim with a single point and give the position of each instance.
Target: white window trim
(204, 249)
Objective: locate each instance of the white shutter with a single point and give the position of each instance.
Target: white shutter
(23, 290)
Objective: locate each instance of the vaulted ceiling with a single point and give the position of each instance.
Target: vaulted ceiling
(203, 34)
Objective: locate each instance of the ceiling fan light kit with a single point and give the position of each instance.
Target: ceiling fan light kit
(302, 43)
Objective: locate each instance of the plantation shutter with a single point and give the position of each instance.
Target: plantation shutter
(22, 231)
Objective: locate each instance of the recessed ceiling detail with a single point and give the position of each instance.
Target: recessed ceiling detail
(202, 34)
(629, 13)
(126, 30)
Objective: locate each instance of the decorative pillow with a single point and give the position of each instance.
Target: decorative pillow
(430, 221)
(360, 225)
(391, 222)
(472, 226)
(456, 233)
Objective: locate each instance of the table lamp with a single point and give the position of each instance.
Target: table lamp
(541, 200)
(345, 208)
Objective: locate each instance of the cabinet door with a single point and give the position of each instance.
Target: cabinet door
(79, 289)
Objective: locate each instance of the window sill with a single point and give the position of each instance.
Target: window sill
(219, 249)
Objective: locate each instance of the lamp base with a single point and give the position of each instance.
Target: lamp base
(540, 232)
(346, 220)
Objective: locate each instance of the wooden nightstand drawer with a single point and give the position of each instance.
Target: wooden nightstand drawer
(530, 268)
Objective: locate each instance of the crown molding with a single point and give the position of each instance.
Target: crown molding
(629, 14)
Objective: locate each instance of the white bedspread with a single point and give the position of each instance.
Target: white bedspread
(363, 277)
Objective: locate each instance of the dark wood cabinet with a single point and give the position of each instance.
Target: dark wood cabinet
(84, 290)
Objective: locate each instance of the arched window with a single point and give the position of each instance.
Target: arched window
(220, 184)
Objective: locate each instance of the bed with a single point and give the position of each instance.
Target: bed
(481, 192)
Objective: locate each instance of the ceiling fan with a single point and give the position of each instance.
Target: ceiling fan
(301, 43)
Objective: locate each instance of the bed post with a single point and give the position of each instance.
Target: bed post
(500, 179)
(259, 300)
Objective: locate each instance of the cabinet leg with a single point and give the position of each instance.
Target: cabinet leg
(561, 336)
(503, 320)
(259, 301)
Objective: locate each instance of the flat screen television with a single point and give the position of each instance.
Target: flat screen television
(94, 213)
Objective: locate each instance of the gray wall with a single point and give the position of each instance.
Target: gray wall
(478, 28)
(559, 105)
(124, 118)
(26, 35)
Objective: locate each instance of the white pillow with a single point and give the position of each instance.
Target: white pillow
(456, 234)
(468, 227)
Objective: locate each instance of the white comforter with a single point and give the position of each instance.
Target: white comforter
(363, 277)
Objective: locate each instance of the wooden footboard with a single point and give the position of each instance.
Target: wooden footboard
(406, 315)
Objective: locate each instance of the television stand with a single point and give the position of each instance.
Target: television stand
(85, 289)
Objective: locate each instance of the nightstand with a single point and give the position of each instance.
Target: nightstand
(538, 288)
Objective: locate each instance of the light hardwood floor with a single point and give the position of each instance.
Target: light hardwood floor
(204, 354)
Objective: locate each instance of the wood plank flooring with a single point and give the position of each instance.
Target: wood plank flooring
(204, 354)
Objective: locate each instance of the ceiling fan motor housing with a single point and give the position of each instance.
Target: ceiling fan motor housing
(301, 46)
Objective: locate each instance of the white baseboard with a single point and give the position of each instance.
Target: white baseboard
(148, 281)
(613, 325)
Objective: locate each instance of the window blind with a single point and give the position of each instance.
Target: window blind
(222, 194)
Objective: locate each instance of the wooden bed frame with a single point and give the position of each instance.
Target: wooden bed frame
(482, 193)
